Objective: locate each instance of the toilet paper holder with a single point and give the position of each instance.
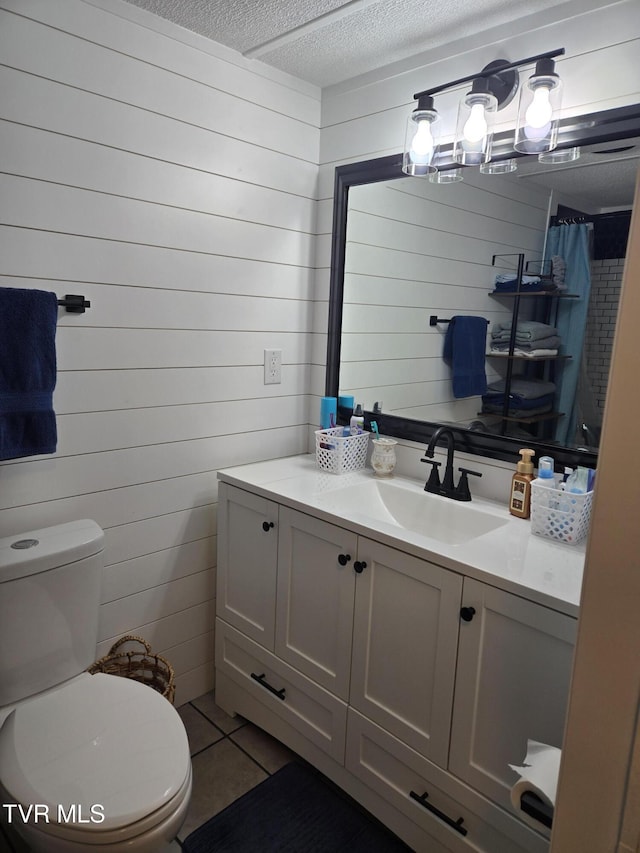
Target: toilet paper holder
(536, 808)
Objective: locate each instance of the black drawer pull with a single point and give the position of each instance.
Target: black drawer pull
(467, 613)
(343, 559)
(359, 566)
(267, 525)
(261, 680)
(454, 824)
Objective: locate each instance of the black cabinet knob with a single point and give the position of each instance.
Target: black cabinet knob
(343, 559)
(467, 613)
(267, 525)
(359, 566)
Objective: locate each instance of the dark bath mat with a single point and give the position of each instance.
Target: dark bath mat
(295, 811)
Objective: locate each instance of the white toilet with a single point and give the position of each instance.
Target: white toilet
(103, 761)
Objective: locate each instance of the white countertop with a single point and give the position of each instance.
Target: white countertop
(509, 557)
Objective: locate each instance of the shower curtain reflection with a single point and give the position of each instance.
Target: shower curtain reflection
(571, 242)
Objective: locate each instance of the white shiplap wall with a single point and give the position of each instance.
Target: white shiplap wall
(173, 183)
(415, 249)
(365, 118)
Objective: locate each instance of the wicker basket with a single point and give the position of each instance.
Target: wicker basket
(144, 666)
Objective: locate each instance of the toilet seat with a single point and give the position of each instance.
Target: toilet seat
(97, 740)
(68, 837)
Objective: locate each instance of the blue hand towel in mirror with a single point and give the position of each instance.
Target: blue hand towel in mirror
(27, 372)
(464, 349)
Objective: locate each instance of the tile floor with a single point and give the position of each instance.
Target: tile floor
(229, 757)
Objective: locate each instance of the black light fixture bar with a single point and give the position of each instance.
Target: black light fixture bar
(490, 72)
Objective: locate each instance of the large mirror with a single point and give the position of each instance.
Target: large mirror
(409, 254)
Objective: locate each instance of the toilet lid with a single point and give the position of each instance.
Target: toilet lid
(99, 740)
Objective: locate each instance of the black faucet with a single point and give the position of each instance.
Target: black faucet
(447, 488)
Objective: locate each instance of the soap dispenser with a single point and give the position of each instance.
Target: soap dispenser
(520, 499)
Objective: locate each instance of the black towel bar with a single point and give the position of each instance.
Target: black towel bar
(434, 320)
(74, 304)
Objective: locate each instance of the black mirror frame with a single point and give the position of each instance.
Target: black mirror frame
(602, 127)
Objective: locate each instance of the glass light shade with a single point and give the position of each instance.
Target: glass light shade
(448, 176)
(474, 128)
(540, 101)
(499, 167)
(421, 139)
(560, 155)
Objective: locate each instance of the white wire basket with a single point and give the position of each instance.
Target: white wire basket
(556, 514)
(340, 453)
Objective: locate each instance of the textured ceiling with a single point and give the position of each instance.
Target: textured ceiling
(328, 41)
(601, 178)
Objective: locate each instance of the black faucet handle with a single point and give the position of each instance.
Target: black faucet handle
(433, 483)
(462, 489)
(469, 471)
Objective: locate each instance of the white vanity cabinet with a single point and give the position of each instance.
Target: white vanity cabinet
(512, 684)
(363, 659)
(247, 561)
(405, 637)
(314, 601)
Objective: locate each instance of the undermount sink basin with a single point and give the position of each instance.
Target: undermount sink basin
(448, 521)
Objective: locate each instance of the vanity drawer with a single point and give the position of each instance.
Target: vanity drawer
(310, 709)
(394, 770)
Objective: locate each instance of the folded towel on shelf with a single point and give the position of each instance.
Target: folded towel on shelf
(509, 284)
(527, 389)
(536, 353)
(516, 412)
(505, 338)
(526, 330)
(517, 402)
(552, 342)
(464, 349)
(508, 277)
(533, 353)
(27, 372)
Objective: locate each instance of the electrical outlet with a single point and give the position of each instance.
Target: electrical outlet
(272, 366)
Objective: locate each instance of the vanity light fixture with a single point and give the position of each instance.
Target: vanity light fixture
(421, 139)
(474, 131)
(477, 111)
(499, 167)
(560, 155)
(540, 99)
(446, 176)
(492, 89)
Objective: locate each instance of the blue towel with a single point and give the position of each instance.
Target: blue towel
(27, 372)
(510, 285)
(518, 402)
(464, 349)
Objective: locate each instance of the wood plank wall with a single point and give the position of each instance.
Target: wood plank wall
(172, 183)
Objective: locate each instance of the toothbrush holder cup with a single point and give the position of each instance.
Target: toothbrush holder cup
(383, 457)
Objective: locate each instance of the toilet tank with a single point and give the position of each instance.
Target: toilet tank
(49, 601)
